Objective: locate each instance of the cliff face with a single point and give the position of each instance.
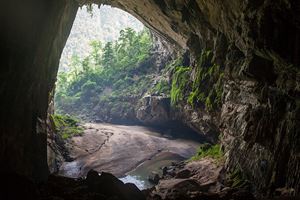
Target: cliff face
(32, 35)
(256, 43)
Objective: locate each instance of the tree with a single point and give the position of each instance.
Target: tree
(96, 52)
(108, 55)
(75, 67)
(112, 66)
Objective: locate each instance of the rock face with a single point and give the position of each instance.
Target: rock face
(154, 110)
(256, 42)
(190, 181)
(32, 38)
(95, 186)
(54, 153)
(108, 185)
(200, 121)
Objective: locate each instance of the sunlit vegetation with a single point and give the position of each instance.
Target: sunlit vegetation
(207, 150)
(112, 70)
(161, 88)
(66, 126)
(115, 75)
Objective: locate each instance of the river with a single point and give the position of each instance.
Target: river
(129, 152)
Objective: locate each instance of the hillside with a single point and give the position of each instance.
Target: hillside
(102, 24)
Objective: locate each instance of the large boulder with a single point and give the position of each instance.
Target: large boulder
(154, 110)
(190, 180)
(154, 177)
(109, 185)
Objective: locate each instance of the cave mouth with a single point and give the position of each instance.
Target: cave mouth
(107, 70)
(250, 48)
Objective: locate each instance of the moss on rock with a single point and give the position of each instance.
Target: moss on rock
(207, 85)
(66, 126)
(179, 83)
(208, 150)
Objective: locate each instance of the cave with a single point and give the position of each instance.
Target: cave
(256, 43)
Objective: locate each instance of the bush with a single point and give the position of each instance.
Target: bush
(66, 126)
(208, 150)
(88, 89)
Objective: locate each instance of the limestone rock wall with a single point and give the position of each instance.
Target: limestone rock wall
(257, 43)
(154, 110)
(32, 36)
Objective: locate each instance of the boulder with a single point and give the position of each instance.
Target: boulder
(154, 177)
(190, 181)
(185, 173)
(176, 188)
(111, 186)
(154, 110)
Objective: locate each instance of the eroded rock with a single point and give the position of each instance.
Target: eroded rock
(154, 177)
(260, 112)
(190, 180)
(154, 110)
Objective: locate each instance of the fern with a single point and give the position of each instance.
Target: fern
(179, 82)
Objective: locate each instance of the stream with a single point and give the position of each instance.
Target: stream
(131, 153)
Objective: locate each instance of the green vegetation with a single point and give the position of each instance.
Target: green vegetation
(111, 74)
(161, 88)
(110, 81)
(205, 90)
(66, 126)
(207, 150)
(179, 83)
(207, 86)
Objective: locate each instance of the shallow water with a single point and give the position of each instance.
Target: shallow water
(139, 176)
(136, 180)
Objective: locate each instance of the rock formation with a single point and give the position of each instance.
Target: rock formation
(255, 42)
(154, 110)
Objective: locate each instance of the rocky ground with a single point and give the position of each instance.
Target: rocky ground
(191, 178)
(113, 149)
(199, 180)
(119, 149)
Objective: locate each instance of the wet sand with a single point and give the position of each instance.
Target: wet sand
(123, 150)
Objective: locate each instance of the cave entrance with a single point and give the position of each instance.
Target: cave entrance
(111, 69)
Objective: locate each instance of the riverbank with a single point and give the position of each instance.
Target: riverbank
(125, 151)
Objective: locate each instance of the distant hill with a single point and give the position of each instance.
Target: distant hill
(102, 24)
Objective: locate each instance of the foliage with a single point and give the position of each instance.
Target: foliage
(173, 64)
(114, 66)
(66, 126)
(207, 85)
(207, 150)
(179, 81)
(161, 88)
(204, 90)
